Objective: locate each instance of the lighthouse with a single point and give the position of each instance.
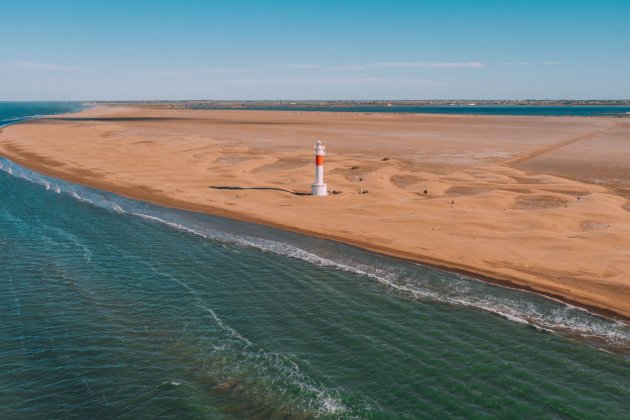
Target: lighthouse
(319, 188)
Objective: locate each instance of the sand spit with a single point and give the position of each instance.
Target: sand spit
(540, 202)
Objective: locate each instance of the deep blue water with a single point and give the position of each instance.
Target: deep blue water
(538, 110)
(117, 308)
(13, 112)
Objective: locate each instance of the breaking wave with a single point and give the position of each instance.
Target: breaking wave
(412, 280)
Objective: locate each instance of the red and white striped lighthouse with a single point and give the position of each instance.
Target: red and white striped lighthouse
(319, 188)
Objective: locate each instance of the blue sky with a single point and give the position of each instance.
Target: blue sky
(325, 49)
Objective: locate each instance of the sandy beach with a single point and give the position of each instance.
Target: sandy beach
(538, 202)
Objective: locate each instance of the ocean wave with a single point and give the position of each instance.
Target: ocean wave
(563, 317)
(281, 369)
(4, 122)
(10, 121)
(412, 280)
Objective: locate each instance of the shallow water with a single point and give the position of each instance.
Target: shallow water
(114, 307)
(13, 112)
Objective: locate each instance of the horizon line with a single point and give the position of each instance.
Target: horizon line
(328, 100)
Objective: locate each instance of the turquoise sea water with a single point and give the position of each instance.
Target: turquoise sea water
(116, 308)
(13, 112)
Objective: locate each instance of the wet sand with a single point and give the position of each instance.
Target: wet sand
(535, 201)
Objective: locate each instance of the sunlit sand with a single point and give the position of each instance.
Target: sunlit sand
(535, 201)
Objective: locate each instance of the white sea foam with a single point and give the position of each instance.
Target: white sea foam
(6, 120)
(10, 121)
(172, 383)
(81, 198)
(565, 317)
(27, 178)
(227, 328)
(279, 366)
(116, 207)
(75, 241)
(513, 309)
(326, 400)
(456, 289)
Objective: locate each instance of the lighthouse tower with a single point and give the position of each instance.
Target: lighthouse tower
(319, 188)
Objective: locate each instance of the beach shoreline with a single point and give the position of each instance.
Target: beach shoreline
(30, 156)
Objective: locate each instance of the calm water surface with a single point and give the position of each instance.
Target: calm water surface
(13, 112)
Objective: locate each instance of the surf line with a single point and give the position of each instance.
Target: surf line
(119, 204)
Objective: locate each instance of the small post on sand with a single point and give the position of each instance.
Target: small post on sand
(318, 187)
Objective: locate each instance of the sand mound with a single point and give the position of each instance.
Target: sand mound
(458, 191)
(233, 160)
(356, 173)
(525, 180)
(282, 164)
(538, 202)
(404, 181)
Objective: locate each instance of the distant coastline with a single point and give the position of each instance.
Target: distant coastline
(15, 112)
(553, 108)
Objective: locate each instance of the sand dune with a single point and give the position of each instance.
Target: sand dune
(540, 202)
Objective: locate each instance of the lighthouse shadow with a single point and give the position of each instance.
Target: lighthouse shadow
(231, 188)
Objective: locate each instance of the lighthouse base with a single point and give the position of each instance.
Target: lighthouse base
(319, 189)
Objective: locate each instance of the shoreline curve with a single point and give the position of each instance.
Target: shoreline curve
(36, 163)
(488, 277)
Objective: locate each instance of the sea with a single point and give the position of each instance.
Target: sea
(116, 308)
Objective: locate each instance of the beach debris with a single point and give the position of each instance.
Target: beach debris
(426, 192)
(335, 192)
(385, 159)
(318, 188)
(355, 167)
(362, 191)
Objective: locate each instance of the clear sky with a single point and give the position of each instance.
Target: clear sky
(318, 49)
